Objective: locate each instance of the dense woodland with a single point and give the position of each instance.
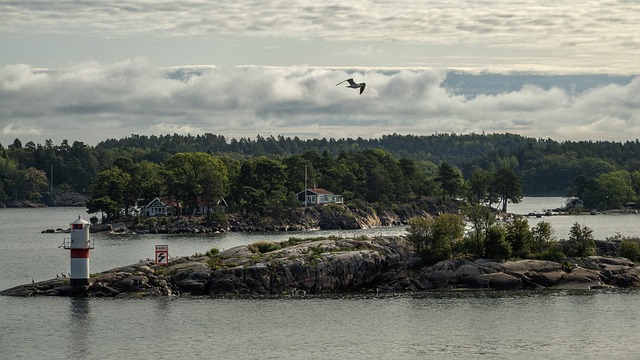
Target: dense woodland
(263, 174)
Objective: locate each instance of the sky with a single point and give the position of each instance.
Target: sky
(93, 70)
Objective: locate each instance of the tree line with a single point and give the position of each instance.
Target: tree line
(269, 186)
(604, 174)
(444, 238)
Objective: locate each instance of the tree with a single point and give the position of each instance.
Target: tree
(496, 244)
(435, 239)
(518, 235)
(450, 180)
(196, 176)
(132, 187)
(481, 219)
(10, 179)
(104, 204)
(17, 144)
(35, 181)
(479, 187)
(214, 183)
(254, 201)
(508, 186)
(581, 187)
(616, 188)
(298, 170)
(271, 180)
(542, 237)
(151, 180)
(581, 242)
(110, 188)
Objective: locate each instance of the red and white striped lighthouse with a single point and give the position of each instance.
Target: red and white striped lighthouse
(79, 245)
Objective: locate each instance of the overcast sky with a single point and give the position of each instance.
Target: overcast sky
(92, 70)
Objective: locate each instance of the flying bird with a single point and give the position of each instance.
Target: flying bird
(354, 85)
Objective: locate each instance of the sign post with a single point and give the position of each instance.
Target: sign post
(162, 254)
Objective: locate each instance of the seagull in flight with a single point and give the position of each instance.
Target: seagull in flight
(354, 85)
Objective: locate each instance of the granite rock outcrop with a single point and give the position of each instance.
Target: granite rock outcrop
(329, 266)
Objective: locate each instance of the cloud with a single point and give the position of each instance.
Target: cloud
(561, 34)
(14, 129)
(92, 101)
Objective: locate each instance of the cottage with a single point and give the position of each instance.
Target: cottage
(161, 207)
(318, 196)
(204, 207)
(573, 203)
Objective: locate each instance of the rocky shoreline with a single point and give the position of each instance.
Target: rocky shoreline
(330, 266)
(339, 217)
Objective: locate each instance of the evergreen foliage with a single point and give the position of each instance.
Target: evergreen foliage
(496, 244)
(630, 248)
(541, 237)
(581, 242)
(519, 236)
(392, 168)
(435, 239)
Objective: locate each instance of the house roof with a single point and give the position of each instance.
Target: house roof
(162, 202)
(318, 191)
(215, 200)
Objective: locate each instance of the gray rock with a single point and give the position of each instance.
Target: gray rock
(336, 266)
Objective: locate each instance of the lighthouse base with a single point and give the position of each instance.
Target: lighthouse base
(79, 282)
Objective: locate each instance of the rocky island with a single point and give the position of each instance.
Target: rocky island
(331, 265)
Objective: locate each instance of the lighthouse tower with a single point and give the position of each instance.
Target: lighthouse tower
(79, 245)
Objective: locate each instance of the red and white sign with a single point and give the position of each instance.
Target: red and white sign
(162, 254)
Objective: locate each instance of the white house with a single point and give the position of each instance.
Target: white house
(168, 207)
(161, 207)
(318, 196)
(573, 203)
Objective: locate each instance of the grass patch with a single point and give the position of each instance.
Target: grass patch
(215, 263)
(213, 252)
(263, 247)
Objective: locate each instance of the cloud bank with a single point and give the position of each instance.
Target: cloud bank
(599, 35)
(92, 101)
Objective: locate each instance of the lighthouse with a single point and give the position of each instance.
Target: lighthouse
(79, 244)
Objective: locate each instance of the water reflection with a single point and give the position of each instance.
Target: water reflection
(79, 328)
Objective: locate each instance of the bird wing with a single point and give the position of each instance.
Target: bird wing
(349, 80)
(362, 85)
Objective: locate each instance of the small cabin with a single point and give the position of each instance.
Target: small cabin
(573, 203)
(206, 207)
(318, 196)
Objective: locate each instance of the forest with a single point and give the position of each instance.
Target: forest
(263, 174)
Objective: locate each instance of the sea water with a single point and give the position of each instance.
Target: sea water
(428, 325)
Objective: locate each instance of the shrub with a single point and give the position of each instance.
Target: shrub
(435, 239)
(213, 252)
(496, 244)
(263, 247)
(218, 216)
(552, 253)
(630, 249)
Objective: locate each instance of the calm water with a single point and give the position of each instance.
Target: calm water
(603, 225)
(451, 325)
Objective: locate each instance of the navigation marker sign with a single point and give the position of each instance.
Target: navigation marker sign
(162, 254)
